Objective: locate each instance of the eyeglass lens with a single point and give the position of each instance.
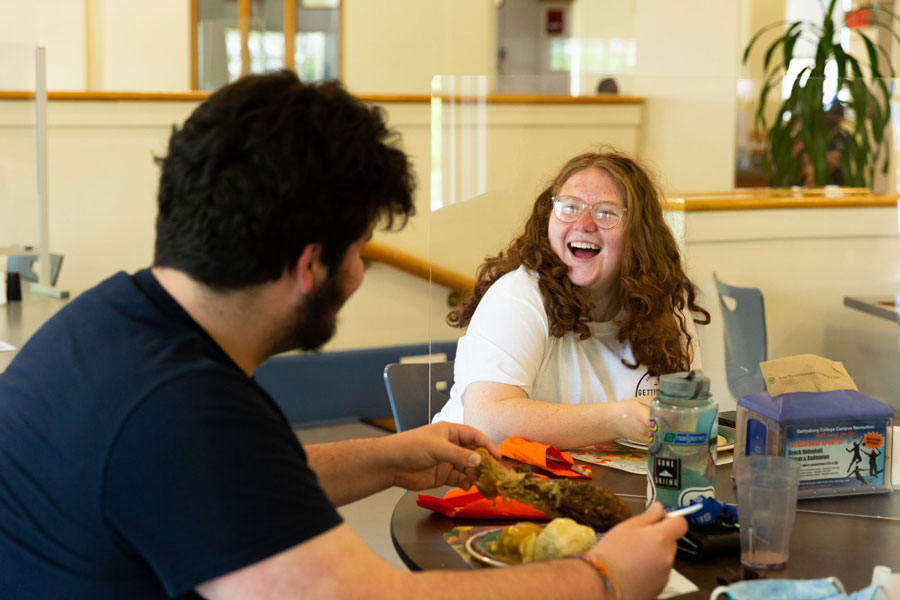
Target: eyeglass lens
(567, 209)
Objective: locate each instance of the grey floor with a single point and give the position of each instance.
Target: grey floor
(370, 517)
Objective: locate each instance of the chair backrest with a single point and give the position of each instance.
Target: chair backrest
(23, 264)
(744, 330)
(331, 387)
(408, 386)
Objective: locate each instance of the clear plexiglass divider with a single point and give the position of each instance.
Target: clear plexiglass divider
(24, 194)
(825, 256)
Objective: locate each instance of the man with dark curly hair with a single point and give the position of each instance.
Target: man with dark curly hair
(569, 329)
(141, 460)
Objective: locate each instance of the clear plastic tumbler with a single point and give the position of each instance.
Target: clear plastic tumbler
(767, 504)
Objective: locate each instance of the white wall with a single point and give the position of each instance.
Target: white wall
(59, 26)
(103, 184)
(687, 59)
(604, 20)
(687, 70)
(526, 146)
(398, 46)
(804, 261)
(137, 45)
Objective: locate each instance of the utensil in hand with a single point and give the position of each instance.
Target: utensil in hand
(684, 510)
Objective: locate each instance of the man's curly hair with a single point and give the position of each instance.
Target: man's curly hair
(269, 164)
(656, 293)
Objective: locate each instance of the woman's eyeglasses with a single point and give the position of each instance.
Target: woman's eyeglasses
(569, 209)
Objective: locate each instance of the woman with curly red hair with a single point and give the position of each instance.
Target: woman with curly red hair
(569, 329)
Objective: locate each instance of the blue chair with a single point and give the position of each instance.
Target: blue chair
(412, 386)
(332, 387)
(744, 331)
(24, 266)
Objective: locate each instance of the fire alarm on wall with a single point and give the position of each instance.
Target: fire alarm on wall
(556, 21)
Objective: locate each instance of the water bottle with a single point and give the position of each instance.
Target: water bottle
(683, 433)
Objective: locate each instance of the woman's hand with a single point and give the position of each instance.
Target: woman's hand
(631, 418)
(436, 455)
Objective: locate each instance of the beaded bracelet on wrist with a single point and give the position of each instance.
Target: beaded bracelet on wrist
(608, 583)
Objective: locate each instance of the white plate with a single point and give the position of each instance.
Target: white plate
(726, 441)
(479, 547)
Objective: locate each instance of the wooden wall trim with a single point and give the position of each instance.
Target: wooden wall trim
(779, 202)
(244, 28)
(776, 198)
(290, 31)
(374, 98)
(195, 96)
(417, 267)
(342, 27)
(507, 99)
(195, 69)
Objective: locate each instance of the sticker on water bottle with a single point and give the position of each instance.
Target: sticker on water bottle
(667, 472)
(688, 439)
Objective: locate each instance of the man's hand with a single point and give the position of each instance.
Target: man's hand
(632, 418)
(639, 552)
(436, 455)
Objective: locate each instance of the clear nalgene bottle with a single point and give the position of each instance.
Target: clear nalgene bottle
(683, 433)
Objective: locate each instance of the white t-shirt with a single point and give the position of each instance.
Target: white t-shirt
(508, 341)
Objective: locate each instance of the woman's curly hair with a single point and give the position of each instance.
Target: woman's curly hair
(656, 293)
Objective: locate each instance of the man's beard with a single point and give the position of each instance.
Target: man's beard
(316, 319)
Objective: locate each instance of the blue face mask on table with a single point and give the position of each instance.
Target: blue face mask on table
(794, 589)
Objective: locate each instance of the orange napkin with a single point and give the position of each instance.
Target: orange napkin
(541, 455)
(471, 504)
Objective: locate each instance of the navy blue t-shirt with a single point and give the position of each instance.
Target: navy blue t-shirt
(137, 460)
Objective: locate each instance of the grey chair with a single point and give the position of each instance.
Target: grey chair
(744, 330)
(24, 265)
(409, 390)
(316, 389)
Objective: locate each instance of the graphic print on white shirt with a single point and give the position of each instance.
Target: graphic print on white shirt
(508, 341)
(647, 386)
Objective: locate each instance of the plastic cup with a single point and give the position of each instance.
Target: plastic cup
(767, 504)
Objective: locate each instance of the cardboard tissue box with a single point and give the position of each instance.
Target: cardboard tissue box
(812, 412)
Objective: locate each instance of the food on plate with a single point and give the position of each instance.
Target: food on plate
(580, 501)
(561, 537)
(513, 539)
(527, 542)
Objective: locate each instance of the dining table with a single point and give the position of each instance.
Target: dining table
(883, 307)
(19, 319)
(845, 536)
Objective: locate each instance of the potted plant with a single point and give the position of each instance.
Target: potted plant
(819, 141)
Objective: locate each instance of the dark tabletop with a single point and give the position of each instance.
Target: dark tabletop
(843, 537)
(20, 319)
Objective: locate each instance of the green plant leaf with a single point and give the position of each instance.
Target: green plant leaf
(840, 59)
(873, 55)
(756, 37)
(879, 11)
(873, 49)
(790, 39)
(854, 66)
(771, 50)
(815, 129)
(802, 133)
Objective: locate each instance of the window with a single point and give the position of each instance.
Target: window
(234, 37)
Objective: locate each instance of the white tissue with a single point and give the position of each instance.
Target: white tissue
(889, 582)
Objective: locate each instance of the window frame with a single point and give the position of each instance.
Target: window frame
(289, 30)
